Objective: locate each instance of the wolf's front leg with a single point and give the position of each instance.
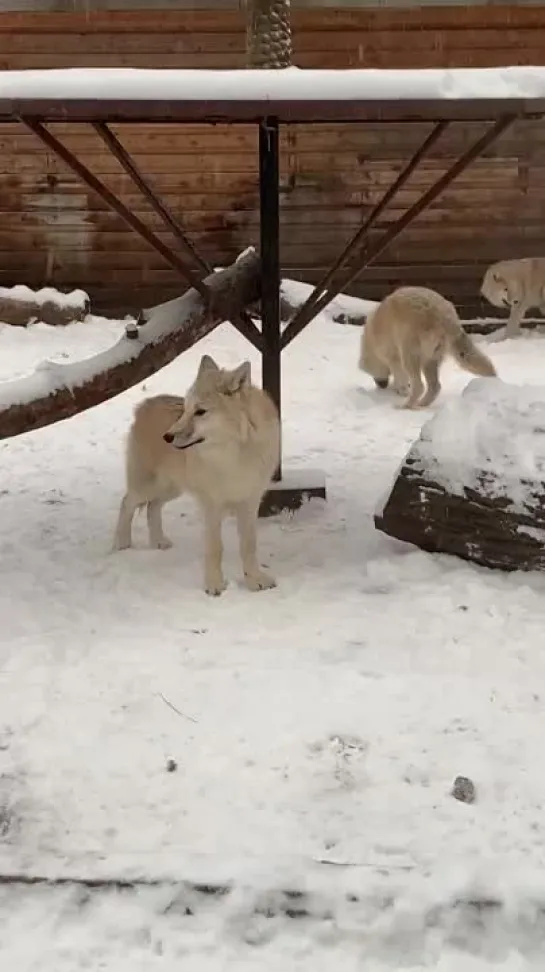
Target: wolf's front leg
(256, 578)
(214, 581)
(157, 536)
(512, 329)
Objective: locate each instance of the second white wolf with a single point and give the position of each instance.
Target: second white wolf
(221, 443)
(408, 337)
(517, 284)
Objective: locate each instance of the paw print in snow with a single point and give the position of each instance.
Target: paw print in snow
(342, 758)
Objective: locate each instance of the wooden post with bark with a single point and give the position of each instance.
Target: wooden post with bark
(268, 34)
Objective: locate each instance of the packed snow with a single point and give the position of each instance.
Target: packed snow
(493, 428)
(291, 84)
(323, 721)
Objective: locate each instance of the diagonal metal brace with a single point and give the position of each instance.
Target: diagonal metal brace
(244, 322)
(370, 253)
(114, 203)
(118, 150)
(306, 312)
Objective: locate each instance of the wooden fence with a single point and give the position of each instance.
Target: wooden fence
(55, 231)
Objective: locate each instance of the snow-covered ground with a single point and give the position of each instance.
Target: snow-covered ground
(321, 721)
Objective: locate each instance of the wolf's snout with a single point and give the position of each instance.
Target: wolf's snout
(168, 437)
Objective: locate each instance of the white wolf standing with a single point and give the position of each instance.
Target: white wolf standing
(409, 334)
(517, 284)
(221, 444)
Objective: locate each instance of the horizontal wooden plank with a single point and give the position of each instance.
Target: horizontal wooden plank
(365, 142)
(38, 194)
(350, 166)
(304, 42)
(327, 20)
(122, 21)
(240, 193)
(405, 57)
(63, 225)
(304, 135)
(221, 247)
(89, 237)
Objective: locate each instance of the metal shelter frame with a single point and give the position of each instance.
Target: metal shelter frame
(269, 115)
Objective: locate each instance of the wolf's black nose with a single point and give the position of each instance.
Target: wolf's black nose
(168, 437)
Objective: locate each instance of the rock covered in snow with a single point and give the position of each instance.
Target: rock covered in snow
(474, 483)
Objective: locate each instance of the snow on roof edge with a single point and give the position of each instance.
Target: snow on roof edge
(295, 84)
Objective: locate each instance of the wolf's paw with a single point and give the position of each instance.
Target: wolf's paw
(262, 581)
(500, 335)
(120, 543)
(163, 543)
(215, 585)
(410, 406)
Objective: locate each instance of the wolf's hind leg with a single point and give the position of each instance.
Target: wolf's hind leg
(411, 365)
(431, 375)
(401, 381)
(123, 532)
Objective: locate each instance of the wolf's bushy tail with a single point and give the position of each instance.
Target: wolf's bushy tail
(470, 357)
(464, 350)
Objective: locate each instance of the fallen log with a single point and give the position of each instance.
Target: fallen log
(20, 306)
(343, 309)
(54, 391)
(473, 484)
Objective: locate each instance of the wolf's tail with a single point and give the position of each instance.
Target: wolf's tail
(470, 357)
(465, 351)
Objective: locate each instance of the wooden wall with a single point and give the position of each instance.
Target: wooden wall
(55, 231)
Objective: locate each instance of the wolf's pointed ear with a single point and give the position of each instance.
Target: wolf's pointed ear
(207, 365)
(237, 379)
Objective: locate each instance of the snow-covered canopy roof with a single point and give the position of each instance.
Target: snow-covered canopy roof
(124, 94)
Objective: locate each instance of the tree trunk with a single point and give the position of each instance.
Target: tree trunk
(57, 391)
(268, 35)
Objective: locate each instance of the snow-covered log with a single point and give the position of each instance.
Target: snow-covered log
(342, 309)
(474, 483)
(56, 391)
(20, 305)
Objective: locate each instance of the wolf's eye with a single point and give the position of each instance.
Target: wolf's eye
(200, 411)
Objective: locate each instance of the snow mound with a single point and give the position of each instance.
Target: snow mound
(492, 438)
